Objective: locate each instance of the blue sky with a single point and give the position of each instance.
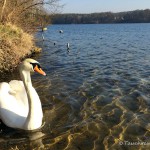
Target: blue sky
(91, 6)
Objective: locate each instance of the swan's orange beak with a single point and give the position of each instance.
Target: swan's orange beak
(39, 70)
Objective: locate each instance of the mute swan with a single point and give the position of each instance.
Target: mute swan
(20, 106)
(61, 31)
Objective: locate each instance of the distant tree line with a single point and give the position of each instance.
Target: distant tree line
(137, 16)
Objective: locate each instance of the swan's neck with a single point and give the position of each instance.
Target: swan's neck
(33, 100)
(26, 78)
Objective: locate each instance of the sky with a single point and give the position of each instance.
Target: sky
(92, 6)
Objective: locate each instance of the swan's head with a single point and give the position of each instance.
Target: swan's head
(31, 65)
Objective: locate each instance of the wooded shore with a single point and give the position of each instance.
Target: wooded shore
(19, 21)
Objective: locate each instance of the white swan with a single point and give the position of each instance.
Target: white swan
(20, 106)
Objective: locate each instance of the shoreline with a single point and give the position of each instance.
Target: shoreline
(15, 45)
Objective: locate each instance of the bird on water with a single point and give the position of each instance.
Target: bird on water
(20, 105)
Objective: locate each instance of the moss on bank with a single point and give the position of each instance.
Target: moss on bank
(15, 44)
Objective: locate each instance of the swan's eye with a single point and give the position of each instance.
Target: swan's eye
(35, 64)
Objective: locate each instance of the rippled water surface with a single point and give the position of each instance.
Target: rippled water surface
(96, 94)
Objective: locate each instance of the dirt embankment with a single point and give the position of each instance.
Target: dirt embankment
(15, 44)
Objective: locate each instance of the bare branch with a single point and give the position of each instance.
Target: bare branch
(4, 4)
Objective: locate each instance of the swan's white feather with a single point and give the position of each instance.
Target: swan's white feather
(20, 107)
(19, 91)
(13, 103)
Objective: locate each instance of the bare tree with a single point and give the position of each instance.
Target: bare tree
(26, 12)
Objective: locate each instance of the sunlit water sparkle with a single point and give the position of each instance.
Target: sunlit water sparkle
(96, 94)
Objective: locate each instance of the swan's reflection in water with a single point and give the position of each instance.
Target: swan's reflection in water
(10, 139)
(35, 139)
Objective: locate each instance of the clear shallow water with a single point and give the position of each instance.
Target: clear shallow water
(94, 96)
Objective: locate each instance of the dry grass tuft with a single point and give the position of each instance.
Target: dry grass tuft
(15, 44)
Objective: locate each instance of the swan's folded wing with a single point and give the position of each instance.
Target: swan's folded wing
(18, 91)
(11, 102)
(16, 85)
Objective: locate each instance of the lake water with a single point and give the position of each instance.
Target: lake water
(96, 94)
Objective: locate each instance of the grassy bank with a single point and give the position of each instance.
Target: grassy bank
(15, 44)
